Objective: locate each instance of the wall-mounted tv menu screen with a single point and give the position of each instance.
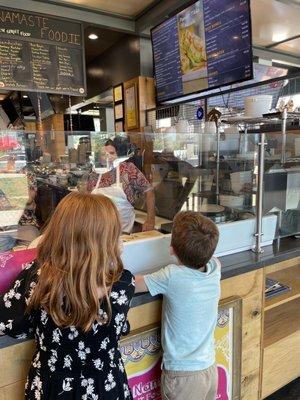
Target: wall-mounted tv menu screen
(205, 46)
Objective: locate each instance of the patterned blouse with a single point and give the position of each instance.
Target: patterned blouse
(133, 181)
(69, 364)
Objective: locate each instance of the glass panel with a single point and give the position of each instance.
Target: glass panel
(282, 181)
(187, 171)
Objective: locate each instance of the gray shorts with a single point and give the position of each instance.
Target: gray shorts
(189, 385)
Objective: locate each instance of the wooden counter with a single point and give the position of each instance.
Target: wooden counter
(270, 330)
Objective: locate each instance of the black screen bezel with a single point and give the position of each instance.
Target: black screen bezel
(165, 101)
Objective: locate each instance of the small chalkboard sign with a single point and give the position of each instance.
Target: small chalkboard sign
(41, 53)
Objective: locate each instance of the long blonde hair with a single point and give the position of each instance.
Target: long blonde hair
(79, 257)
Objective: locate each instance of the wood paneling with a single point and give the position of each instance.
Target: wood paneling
(289, 277)
(144, 315)
(13, 392)
(282, 265)
(250, 288)
(281, 322)
(281, 335)
(281, 363)
(16, 360)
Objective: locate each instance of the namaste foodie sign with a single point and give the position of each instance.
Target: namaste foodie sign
(41, 53)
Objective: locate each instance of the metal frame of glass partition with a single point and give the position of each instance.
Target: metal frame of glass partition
(271, 118)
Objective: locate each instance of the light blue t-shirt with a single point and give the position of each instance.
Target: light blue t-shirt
(190, 311)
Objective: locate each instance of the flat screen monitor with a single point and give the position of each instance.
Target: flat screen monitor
(207, 45)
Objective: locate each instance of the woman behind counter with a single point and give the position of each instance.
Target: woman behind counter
(74, 299)
(123, 184)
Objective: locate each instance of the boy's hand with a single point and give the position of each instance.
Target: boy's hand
(140, 285)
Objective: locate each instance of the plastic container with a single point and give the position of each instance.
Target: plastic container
(256, 106)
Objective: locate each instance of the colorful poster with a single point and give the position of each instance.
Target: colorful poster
(224, 353)
(142, 358)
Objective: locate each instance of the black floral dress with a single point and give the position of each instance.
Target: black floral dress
(68, 363)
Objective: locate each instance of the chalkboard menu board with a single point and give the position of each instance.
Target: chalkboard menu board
(41, 53)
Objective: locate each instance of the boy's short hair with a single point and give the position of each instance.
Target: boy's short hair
(194, 238)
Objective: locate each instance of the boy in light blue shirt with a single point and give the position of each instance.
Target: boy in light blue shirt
(191, 293)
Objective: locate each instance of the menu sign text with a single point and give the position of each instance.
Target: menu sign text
(41, 53)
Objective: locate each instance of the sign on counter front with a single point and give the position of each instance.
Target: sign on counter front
(142, 357)
(41, 53)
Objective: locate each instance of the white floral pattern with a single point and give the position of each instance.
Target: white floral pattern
(44, 317)
(66, 385)
(12, 294)
(52, 360)
(89, 386)
(82, 350)
(56, 335)
(119, 297)
(104, 343)
(109, 383)
(68, 362)
(98, 364)
(73, 333)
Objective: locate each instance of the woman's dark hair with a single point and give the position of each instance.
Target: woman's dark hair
(123, 148)
(121, 144)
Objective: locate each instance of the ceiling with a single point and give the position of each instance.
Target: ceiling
(273, 21)
(128, 8)
(106, 39)
(276, 21)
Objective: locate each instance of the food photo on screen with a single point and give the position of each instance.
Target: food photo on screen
(192, 48)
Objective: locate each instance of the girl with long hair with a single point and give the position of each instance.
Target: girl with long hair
(74, 299)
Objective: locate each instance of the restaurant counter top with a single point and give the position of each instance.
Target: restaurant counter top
(232, 265)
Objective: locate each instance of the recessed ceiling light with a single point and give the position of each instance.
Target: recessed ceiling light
(93, 36)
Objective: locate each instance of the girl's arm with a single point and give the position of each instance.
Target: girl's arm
(14, 321)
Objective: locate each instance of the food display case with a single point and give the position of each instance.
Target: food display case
(220, 174)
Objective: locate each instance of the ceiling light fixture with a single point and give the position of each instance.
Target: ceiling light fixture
(25, 96)
(93, 36)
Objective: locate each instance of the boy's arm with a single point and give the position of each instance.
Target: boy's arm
(155, 283)
(140, 285)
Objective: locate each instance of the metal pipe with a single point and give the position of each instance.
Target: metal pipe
(283, 133)
(259, 200)
(71, 117)
(218, 164)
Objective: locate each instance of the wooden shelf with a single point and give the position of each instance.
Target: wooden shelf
(289, 277)
(281, 321)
